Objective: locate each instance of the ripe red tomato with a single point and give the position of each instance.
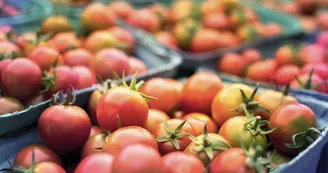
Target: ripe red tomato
(94, 144)
(232, 63)
(290, 120)
(8, 48)
(205, 40)
(41, 153)
(180, 162)
(313, 53)
(99, 40)
(10, 105)
(121, 9)
(45, 57)
(76, 57)
(55, 24)
(286, 74)
(136, 65)
(64, 127)
(228, 39)
(145, 19)
(126, 136)
(97, 16)
(251, 55)
(267, 69)
(317, 83)
(64, 40)
(86, 77)
(167, 39)
(14, 76)
(166, 145)
(126, 39)
(287, 54)
(95, 130)
(198, 120)
(320, 69)
(137, 159)
(3, 64)
(109, 61)
(97, 162)
(199, 91)
(155, 117)
(169, 96)
(65, 78)
(92, 105)
(49, 167)
(217, 20)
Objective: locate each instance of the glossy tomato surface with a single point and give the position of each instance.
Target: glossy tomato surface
(198, 121)
(180, 162)
(155, 117)
(98, 162)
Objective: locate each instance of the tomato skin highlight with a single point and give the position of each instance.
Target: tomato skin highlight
(180, 162)
(86, 77)
(64, 128)
(48, 167)
(198, 120)
(137, 159)
(97, 162)
(93, 144)
(155, 117)
(289, 120)
(199, 91)
(126, 136)
(129, 105)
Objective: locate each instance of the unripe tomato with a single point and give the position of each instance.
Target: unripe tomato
(96, 17)
(99, 40)
(56, 24)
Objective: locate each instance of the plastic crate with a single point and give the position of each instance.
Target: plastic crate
(159, 64)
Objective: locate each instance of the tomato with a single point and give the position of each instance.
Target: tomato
(228, 39)
(184, 32)
(266, 67)
(86, 77)
(125, 38)
(213, 141)
(231, 160)
(136, 65)
(287, 54)
(198, 120)
(232, 63)
(322, 38)
(155, 117)
(96, 17)
(167, 39)
(65, 40)
(10, 105)
(217, 20)
(271, 100)
(145, 19)
(45, 57)
(272, 29)
(239, 86)
(121, 9)
(64, 127)
(180, 10)
(169, 96)
(211, 6)
(178, 128)
(109, 61)
(278, 158)
(8, 48)
(238, 18)
(56, 24)
(94, 144)
(306, 81)
(180, 162)
(95, 130)
(199, 91)
(286, 74)
(248, 32)
(3, 64)
(137, 159)
(123, 102)
(312, 54)
(161, 11)
(308, 24)
(99, 40)
(225, 100)
(126, 136)
(41, 153)
(48, 167)
(92, 105)
(76, 57)
(251, 55)
(288, 121)
(205, 40)
(98, 162)
(320, 69)
(24, 39)
(14, 76)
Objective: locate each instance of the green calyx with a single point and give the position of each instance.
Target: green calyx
(60, 99)
(19, 169)
(207, 146)
(308, 84)
(172, 135)
(252, 33)
(40, 38)
(106, 85)
(13, 55)
(254, 158)
(304, 139)
(48, 81)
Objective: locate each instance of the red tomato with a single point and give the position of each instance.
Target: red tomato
(232, 63)
(97, 16)
(167, 39)
(198, 120)
(10, 105)
(320, 69)
(92, 105)
(8, 48)
(251, 55)
(317, 83)
(211, 6)
(289, 120)
(95, 130)
(121, 8)
(3, 64)
(136, 65)
(286, 74)
(64, 127)
(267, 69)
(217, 20)
(169, 96)
(97, 162)
(125, 38)
(86, 77)
(137, 159)
(99, 40)
(155, 117)
(161, 11)
(45, 57)
(145, 19)
(109, 61)
(126, 136)
(322, 38)
(205, 40)
(76, 57)
(312, 54)
(166, 146)
(19, 73)
(180, 162)
(228, 39)
(65, 78)
(64, 40)
(49, 167)
(287, 55)
(199, 91)
(94, 144)
(41, 153)
(55, 24)
(231, 160)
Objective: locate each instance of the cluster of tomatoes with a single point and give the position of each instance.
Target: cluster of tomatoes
(190, 26)
(303, 66)
(34, 66)
(192, 127)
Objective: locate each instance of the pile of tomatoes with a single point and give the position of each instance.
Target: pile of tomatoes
(304, 66)
(164, 126)
(198, 27)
